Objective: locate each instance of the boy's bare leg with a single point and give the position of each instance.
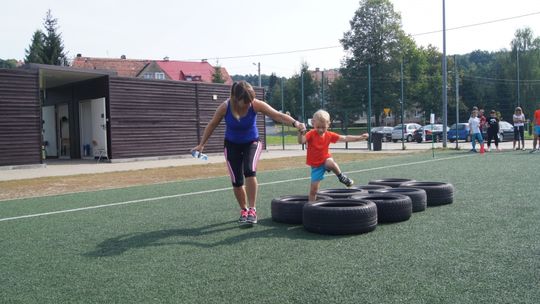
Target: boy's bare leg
(314, 188)
(331, 165)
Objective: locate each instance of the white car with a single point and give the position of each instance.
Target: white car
(406, 131)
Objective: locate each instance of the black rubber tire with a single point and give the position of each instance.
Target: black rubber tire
(418, 196)
(340, 192)
(392, 182)
(370, 188)
(390, 207)
(438, 193)
(288, 209)
(340, 216)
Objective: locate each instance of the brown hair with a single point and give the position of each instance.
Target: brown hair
(242, 90)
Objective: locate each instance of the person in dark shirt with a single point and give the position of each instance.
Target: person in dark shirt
(492, 123)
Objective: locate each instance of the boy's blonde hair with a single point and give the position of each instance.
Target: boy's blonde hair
(322, 116)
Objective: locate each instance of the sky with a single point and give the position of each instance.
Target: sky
(239, 35)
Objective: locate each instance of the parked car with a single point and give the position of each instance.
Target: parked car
(462, 132)
(429, 133)
(386, 131)
(407, 130)
(506, 131)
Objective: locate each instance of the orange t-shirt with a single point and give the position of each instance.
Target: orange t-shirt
(317, 147)
(537, 117)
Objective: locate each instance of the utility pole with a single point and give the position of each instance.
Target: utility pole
(369, 107)
(258, 64)
(402, 110)
(457, 97)
(445, 81)
(322, 89)
(517, 65)
(282, 111)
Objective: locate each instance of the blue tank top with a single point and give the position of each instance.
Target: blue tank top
(243, 130)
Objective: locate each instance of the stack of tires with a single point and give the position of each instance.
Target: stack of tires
(359, 209)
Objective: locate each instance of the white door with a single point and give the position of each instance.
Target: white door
(99, 126)
(63, 131)
(85, 127)
(49, 130)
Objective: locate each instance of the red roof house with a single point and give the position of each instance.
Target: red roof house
(153, 69)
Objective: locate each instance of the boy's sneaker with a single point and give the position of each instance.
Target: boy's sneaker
(251, 216)
(243, 216)
(345, 180)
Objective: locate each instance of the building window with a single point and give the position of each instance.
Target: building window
(147, 76)
(159, 75)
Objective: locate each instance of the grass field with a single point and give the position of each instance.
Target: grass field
(179, 242)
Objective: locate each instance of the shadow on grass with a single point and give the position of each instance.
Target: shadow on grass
(265, 228)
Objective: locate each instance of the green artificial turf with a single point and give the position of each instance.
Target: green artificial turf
(483, 248)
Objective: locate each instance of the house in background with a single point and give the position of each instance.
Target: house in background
(153, 69)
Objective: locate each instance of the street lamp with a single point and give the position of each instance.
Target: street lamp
(258, 64)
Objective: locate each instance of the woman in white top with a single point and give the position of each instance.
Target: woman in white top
(519, 125)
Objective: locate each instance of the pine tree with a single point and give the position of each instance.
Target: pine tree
(217, 77)
(53, 51)
(34, 53)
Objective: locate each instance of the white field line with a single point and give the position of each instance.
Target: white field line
(213, 190)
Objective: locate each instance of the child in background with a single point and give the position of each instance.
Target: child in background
(474, 129)
(318, 156)
(492, 130)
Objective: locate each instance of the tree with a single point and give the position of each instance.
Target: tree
(53, 50)
(375, 39)
(34, 53)
(8, 64)
(217, 76)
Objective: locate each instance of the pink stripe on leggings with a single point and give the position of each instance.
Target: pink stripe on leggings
(231, 173)
(257, 156)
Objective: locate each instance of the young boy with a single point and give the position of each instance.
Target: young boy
(474, 130)
(493, 130)
(318, 157)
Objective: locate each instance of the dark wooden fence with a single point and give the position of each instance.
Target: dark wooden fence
(162, 118)
(20, 118)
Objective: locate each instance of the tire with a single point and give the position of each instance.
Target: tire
(451, 140)
(340, 216)
(370, 188)
(288, 209)
(418, 196)
(394, 140)
(340, 192)
(392, 182)
(438, 193)
(391, 208)
(419, 140)
(409, 138)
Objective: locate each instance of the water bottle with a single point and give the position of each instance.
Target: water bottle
(199, 155)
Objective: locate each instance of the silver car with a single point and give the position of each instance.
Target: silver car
(406, 131)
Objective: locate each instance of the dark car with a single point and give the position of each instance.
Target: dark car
(386, 131)
(506, 131)
(429, 133)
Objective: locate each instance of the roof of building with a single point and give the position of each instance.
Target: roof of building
(123, 67)
(179, 70)
(175, 70)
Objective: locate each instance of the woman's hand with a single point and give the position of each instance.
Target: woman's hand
(199, 148)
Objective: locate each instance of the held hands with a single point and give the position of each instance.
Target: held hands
(301, 127)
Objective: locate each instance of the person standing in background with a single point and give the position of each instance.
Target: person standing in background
(536, 130)
(519, 129)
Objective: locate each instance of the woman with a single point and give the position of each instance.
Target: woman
(519, 131)
(242, 144)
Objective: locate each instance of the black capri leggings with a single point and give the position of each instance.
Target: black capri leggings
(519, 133)
(492, 135)
(242, 160)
